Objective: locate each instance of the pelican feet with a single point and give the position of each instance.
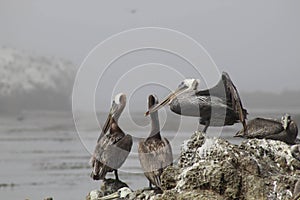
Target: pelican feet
(94, 176)
(110, 185)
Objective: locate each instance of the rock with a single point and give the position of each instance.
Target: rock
(296, 151)
(110, 186)
(212, 168)
(255, 169)
(193, 194)
(94, 195)
(296, 193)
(169, 180)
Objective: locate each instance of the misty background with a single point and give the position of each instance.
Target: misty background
(256, 42)
(43, 44)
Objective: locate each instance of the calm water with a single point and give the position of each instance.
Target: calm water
(43, 156)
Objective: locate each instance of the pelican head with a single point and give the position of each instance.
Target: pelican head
(285, 120)
(122, 193)
(118, 105)
(152, 101)
(184, 86)
(189, 84)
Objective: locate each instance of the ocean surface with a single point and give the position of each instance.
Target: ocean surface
(43, 155)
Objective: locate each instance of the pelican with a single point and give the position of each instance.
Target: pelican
(155, 152)
(285, 130)
(217, 106)
(112, 147)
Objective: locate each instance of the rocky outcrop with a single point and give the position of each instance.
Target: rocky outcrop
(212, 168)
(255, 169)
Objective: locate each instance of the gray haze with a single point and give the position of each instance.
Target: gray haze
(257, 42)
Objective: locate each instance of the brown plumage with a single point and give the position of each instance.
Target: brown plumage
(285, 130)
(218, 106)
(226, 90)
(155, 152)
(112, 149)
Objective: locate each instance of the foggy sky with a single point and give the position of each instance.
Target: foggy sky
(257, 42)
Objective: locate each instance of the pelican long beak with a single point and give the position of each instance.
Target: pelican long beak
(108, 121)
(110, 196)
(166, 101)
(113, 108)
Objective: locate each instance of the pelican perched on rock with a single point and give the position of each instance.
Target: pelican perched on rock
(285, 130)
(217, 106)
(112, 147)
(155, 152)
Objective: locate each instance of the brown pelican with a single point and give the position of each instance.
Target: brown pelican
(113, 147)
(285, 130)
(155, 152)
(217, 106)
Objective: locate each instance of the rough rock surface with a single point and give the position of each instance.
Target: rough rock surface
(212, 168)
(108, 186)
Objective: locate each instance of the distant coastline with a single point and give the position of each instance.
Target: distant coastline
(268, 100)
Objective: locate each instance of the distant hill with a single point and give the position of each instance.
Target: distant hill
(34, 82)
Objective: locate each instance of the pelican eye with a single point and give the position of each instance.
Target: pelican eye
(181, 84)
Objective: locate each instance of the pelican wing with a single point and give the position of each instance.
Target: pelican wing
(166, 156)
(155, 155)
(105, 126)
(116, 154)
(234, 98)
(218, 90)
(226, 90)
(261, 128)
(105, 142)
(110, 153)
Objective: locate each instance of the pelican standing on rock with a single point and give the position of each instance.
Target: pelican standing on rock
(217, 106)
(112, 148)
(285, 130)
(155, 152)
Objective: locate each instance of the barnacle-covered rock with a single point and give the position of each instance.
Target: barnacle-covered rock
(255, 169)
(212, 168)
(108, 186)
